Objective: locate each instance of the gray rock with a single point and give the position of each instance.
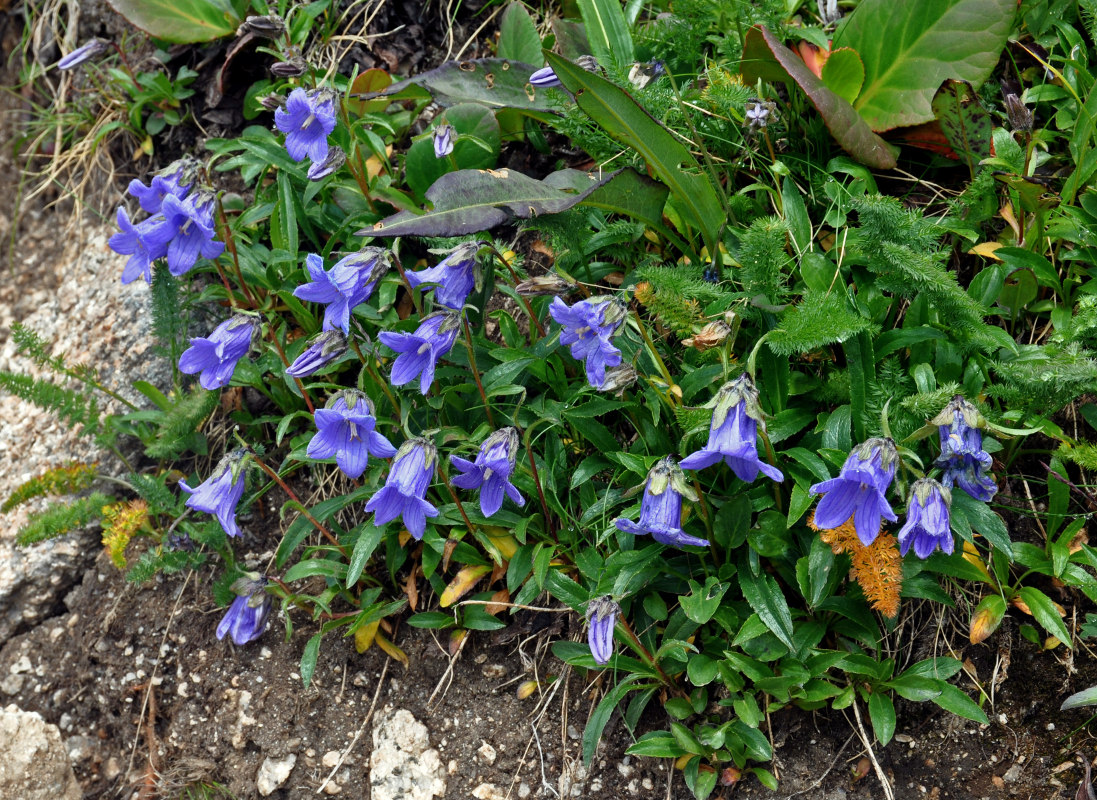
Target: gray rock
(402, 765)
(273, 773)
(34, 764)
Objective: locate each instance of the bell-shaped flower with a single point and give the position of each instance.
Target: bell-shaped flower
(444, 137)
(190, 222)
(216, 356)
(491, 471)
(307, 120)
(545, 78)
(963, 458)
(246, 618)
(321, 169)
(175, 180)
(602, 615)
(322, 349)
(588, 327)
(349, 282)
(345, 430)
(661, 507)
(220, 493)
(143, 243)
(419, 351)
(860, 490)
(454, 277)
(733, 434)
(404, 493)
(927, 525)
(93, 48)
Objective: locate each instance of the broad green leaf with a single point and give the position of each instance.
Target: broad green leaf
(765, 597)
(986, 617)
(181, 21)
(954, 700)
(657, 744)
(607, 31)
(843, 73)
(882, 713)
(910, 49)
(1046, 614)
(983, 520)
(1086, 697)
(701, 603)
(592, 734)
(766, 58)
(493, 82)
(468, 201)
(627, 122)
(518, 39)
(476, 127)
(965, 123)
(308, 659)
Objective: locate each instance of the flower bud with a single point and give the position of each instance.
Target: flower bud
(1020, 118)
(710, 336)
(444, 138)
(323, 348)
(93, 48)
(619, 378)
(550, 284)
(269, 26)
(290, 68)
(336, 159)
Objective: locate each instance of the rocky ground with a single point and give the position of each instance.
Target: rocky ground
(111, 690)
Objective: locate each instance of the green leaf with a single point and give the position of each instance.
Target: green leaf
(308, 659)
(703, 601)
(965, 123)
(1046, 614)
(469, 201)
(607, 31)
(364, 546)
(180, 21)
(766, 58)
(844, 74)
(882, 713)
(954, 700)
(910, 49)
(592, 734)
(283, 232)
(764, 596)
(629, 123)
(518, 39)
(657, 744)
(475, 124)
(492, 82)
(431, 619)
(1086, 697)
(983, 520)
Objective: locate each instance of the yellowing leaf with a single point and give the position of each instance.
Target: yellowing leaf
(364, 636)
(971, 555)
(462, 582)
(391, 650)
(986, 249)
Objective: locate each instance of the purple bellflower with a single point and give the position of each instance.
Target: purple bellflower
(588, 327)
(246, 618)
(545, 78)
(733, 435)
(444, 137)
(307, 120)
(661, 508)
(860, 490)
(345, 430)
(190, 223)
(454, 277)
(216, 356)
(490, 473)
(419, 351)
(404, 491)
(927, 525)
(93, 48)
(321, 169)
(220, 493)
(176, 180)
(602, 615)
(349, 282)
(322, 349)
(962, 455)
(143, 243)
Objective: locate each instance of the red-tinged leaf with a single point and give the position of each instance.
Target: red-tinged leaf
(815, 57)
(766, 58)
(963, 122)
(372, 81)
(927, 136)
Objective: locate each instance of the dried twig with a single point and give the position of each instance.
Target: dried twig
(871, 755)
(361, 728)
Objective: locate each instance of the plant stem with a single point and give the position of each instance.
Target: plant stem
(274, 476)
(476, 371)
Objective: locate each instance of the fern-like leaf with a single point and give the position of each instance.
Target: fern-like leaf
(818, 320)
(877, 568)
(74, 408)
(61, 518)
(177, 428)
(120, 522)
(69, 479)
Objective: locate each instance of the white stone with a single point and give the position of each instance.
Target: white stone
(34, 763)
(330, 759)
(273, 773)
(486, 753)
(489, 791)
(402, 765)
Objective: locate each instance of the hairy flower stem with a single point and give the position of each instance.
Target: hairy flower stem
(537, 482)
(274, 476)
(476, 371)
(230, 243)
(655, 355)
(415, 299)
(285, 361)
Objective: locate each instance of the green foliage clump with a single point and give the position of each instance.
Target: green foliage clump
(1043, 379)
(177, 429)
(78, 410)
(764, 260)
(818, 319)
(68, 479)
(61, 518)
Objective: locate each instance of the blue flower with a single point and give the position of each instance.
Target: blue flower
(927, 525)
(215, 357)
(860, 490)
(143, 243)
(602, 615)
(733, 434)
(349, 282)
(544, 78)
(454, 277)
(322, 349)
(190, 223)
(176, 180)
(85, 52)
(661, 507)
(491, 471)
(220, 493)
(962, 455)
(444, 137)
(321, 169)
(404, 491)
(420, 351)
(588, 327)
(307, 120)
(345, 430)
(246, 618)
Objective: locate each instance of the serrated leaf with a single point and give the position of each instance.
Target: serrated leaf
(492, 82)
